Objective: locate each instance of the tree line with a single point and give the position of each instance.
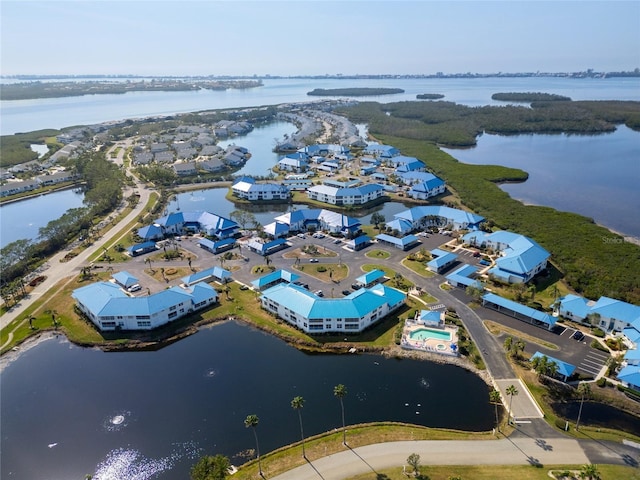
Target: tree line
(102, 183)
(451, 124)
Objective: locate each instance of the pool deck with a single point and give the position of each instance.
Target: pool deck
(443, 347)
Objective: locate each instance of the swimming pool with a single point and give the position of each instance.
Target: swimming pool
(428, 333)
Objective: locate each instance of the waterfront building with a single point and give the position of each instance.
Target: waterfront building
(313, 314)
(419, 218)
(247, 189)
(346, 196)
(110, 308)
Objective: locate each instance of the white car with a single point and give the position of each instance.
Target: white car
(134, 288)
(313, 260)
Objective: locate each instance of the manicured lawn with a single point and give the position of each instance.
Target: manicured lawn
(327, 272)
(377, 253)
(418, 267)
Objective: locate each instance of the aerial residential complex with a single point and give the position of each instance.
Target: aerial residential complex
(313, 314)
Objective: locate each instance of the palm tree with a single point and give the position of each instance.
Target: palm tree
(584, 389)
(511, 391)
(297, 403)
(340, 391)
(495, 398)
(252, 421)
(590, 472)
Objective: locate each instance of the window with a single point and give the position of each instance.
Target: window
(108, 324)
(144, 324)
(173, 314)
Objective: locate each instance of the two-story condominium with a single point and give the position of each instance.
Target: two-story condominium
(312, 314)
(110, 308)
(431, 186)
(246, 188)
(381, 151)
(346, 196)
(521, 257)
(418, 218)
(607, 313)
(179, 223)
(319, 219)
(294, 163)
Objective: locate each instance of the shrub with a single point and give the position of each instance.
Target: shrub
(598, 332)
(601, 382)
(321, 268)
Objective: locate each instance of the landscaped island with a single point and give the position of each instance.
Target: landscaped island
(529, 97)
(30, 90)
(353, 92)
(429, 96)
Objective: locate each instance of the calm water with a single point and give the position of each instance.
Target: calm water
(596, 176)
(29, 115)
(598, 415)
(22, 220)
(213, 200)
(68, 411)
(260, 142)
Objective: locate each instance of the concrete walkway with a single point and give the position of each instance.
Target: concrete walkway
(374, 458)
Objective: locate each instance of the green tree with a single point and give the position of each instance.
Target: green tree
(211, 468)
(252, 421)
(377, 218)
(340, 391)
(589, 472)
(243, 218)
(414, 462)
(297, 403)
(496, 399)
(512, 391)
(584, 389)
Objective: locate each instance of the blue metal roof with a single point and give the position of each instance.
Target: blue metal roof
(272, 277)
(215, 272)
(519, 308)
(453, 215)
(631, 375)
(575, 305)
(442, 260)
(144, 246)
(565, 369)
(357, 305)
(125, 278)
(612, 308)
(370, 277)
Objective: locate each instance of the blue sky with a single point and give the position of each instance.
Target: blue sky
(307, 37)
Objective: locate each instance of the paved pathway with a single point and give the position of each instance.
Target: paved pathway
(374, 458)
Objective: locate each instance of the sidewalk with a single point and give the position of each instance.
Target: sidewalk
(374, 458)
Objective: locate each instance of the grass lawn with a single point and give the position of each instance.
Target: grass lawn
(418, 267)
(289, 457)
(498, 329)
(491, 472)
(327, 272)
(377, 253)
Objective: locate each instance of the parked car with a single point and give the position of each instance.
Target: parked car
(346, 292)
(356, 286)
(577, 335)
(337, 241)
(134, 288)
(484, 262)
(319, 293)
(476, 254)
(301, 235)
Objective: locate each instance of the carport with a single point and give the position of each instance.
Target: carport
(517, 310)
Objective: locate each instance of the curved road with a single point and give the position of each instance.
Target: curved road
(59, 270)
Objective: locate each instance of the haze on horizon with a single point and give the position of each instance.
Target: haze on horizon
(314, 37)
